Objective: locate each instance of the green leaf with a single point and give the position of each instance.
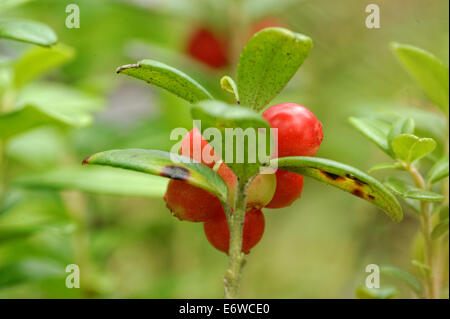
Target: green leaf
(27, 31)
(401, 126)
(410, 148)
(45, 104)
(8, 4)
(39, 60)
(242, 155)
(30, 270)
(167, 77)
(228, 84)
(385, 166)
(440, 229)
(438, 171)
(8, 233)
(363, 292)
(267, 63)
(428, 71)
(403, 189)
(346, 178)
(404, 276)
(374, 131)
(96, 180)
(163, 164)
(425, 269)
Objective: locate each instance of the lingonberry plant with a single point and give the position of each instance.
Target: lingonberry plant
(228, 196)
(426, 162)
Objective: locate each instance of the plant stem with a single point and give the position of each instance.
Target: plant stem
(236, 257)
(427, 228)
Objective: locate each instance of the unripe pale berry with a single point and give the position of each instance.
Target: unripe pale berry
(260, 191)
(218, 232)
(207, 47)
(289, 189)
(190, 203)
(299, 131)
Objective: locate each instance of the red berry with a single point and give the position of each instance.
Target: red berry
(187, 202)
(260, 191)
(289, 188)
(207, 47)
(218, 232)
(299, 131)
(196, 147)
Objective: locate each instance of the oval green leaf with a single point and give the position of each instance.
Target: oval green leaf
(27, 31)
(168, 78)
(403, 276)
(438, 171)
(267, 63)
(163, 164)
(346, 178)
(374, 130)
(400, 126)
(403, 189)
(363, 292)
(428, 71)
(244, 124)
(440, 229)
(228, 84)
(410, 148)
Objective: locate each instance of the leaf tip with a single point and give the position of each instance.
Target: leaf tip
(126, 67)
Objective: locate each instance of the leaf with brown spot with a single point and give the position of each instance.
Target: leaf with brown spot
(346, 178)
(163, 164)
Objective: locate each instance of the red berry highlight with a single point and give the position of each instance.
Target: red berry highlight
(190, 203)
(218, 233)
(299, 131)
(208, 48)
(194, 146)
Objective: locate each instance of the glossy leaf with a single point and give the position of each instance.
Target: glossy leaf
(168, 78)
(428, 71)
(39, 60)
(163, 164)
(404, 276)
(438, 171)
(346, 178)
(27, 31)
(403, 189)
(267, 63)
(440, 229)
(363, 292)
(228, 84)
(401, 126)
(45, 104)
(96, 180)
(410, 148)
(241, 158)
(374, 131)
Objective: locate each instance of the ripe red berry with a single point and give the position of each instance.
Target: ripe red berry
(218, 232)
(193, 145)
(190, 203)
(299, 131)
(260, 191)
(289, 189)
(207, 47)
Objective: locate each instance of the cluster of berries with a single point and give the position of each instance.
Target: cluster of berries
(299, 134)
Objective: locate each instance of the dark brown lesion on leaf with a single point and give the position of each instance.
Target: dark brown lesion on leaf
(175, 172)
(358, 192)
(371, 197)
(356, 179)
(332, 176)
(86, 160)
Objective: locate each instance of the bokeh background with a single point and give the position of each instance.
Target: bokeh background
(129, 246)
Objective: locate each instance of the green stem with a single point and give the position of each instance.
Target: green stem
(236, 257)
(427, 228)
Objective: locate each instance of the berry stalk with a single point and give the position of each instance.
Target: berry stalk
(236, 257)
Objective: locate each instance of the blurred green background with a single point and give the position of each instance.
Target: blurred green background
(130, 246)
